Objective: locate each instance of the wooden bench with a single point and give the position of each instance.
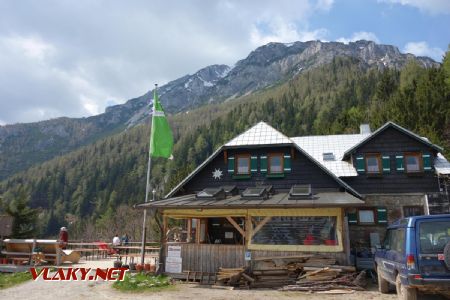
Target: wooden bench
(25, 249)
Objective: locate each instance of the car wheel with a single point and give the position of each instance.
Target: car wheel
(383, 284)
(403, 292)
(447, 255)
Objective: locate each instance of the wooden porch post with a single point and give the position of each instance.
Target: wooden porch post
(346, 237)
(197, 231)
(189, 229)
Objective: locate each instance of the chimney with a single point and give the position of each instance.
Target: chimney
(364, 129)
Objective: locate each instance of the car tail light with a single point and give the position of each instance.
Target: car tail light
(418, 276)
(410, 263)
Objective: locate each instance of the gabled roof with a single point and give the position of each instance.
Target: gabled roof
(399, 128)
(441, 165)
(260, 134)
(316, 146)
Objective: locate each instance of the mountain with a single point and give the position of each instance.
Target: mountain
(89, 185)
(23, 145)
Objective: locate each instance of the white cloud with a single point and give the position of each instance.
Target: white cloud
(284, 32)
(361, 35)
(74, 58)
(430, 6)
(31, 47)
(423, 49)
(325, 5)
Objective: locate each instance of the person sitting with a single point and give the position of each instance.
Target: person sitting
(116, 241)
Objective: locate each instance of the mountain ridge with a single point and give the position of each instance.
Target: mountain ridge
(25, 144)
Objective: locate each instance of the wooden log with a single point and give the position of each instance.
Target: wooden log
(270, 272)
(248, 278)
(312, 273)
(319, 265)
(317, 268)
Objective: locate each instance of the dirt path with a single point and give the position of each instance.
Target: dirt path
(103, 290)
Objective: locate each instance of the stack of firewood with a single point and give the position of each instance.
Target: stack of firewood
(228, 276)
(276, 277)
(308, 273)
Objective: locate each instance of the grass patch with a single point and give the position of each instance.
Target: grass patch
(9, 279)
(140, 282)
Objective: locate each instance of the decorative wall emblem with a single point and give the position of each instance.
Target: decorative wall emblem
(217, 174)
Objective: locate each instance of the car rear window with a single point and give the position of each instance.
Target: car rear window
(434, 236)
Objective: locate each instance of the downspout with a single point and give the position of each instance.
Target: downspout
(427, 208)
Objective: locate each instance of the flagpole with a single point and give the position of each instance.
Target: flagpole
(147, 188)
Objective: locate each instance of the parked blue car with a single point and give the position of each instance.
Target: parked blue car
(415, 256)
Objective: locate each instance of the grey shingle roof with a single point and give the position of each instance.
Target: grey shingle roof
(441, 165)
(336, 144)
(260, 134)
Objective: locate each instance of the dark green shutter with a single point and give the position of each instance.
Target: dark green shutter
(386, 163)
(254, 164)
(231, 165)
(426, 162)
(352, 218)
(287, 163)
(360, 164)
(382, 215)
(399, 163)
(263, 162)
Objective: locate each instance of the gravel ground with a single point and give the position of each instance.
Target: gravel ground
(57, 290)
(103, 290)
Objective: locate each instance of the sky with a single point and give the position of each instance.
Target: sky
(76, 57)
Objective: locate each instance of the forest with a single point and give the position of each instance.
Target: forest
(92, 190)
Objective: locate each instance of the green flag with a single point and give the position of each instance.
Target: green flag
(161, 140)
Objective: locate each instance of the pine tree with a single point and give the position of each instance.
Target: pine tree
(25, 218)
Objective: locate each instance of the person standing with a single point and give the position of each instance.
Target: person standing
(63, 238)
(125, 241)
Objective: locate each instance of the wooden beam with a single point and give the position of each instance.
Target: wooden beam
(197, 231)
(261, 224)
(236, 225)
(189, 230)
(165, 227)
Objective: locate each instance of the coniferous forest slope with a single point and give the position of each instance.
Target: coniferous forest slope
(91, 182)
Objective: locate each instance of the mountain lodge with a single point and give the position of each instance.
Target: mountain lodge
(263, 194)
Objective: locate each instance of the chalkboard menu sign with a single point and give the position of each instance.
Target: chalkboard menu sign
(297, 231)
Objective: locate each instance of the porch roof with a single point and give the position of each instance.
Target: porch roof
(279, 200)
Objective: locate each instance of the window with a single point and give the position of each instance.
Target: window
(243, 165)
(366, 216)
(373, 164)
(295, 230)
(275, 163)
(434, 235)
(395, 240)
(413, 162)
(409, 211)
